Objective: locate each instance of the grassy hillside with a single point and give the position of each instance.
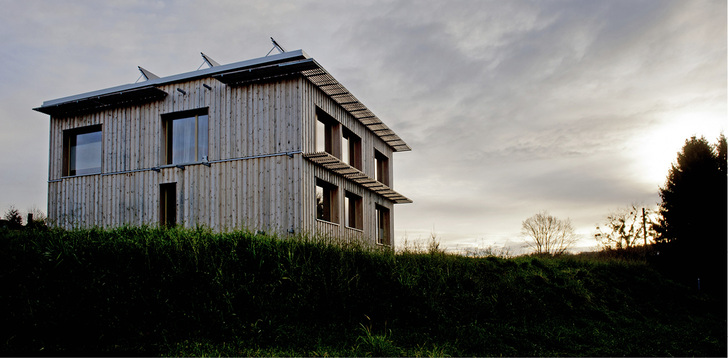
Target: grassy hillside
(144, 291)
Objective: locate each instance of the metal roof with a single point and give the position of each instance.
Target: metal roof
(238, 73)
(207, 72)
(101, 101)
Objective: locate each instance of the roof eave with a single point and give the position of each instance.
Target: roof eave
(281, 57)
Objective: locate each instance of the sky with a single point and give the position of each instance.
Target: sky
(510, 107)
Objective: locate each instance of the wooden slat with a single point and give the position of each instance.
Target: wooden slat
(335, 165)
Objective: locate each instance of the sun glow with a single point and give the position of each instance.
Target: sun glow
(657, 149)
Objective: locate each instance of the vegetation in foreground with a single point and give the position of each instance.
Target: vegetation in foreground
(149, 291)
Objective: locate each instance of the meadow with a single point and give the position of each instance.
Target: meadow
(191, 292)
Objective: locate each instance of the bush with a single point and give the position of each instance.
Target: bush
(151, 291)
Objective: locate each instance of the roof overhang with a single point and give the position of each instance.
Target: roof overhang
(329, 85)
(234, 74)
(255, 74)
(315, 73)
(146, 90)
(103, 101)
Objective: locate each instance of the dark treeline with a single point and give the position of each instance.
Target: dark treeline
(692, 227)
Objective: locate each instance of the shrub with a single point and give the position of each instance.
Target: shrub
(151, 291)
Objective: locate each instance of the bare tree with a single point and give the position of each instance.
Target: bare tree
(547, 234)
(626, 228)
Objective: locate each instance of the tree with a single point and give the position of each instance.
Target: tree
(13, 217)
(548, 235)
(626, 228)
(693, 207)
(692, 221)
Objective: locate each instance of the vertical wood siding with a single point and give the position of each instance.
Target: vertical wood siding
(256, 193)
(314, 98)
(272, 193)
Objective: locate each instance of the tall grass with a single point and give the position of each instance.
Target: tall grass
(155, 291)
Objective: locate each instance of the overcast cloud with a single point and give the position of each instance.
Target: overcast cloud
(510, 107)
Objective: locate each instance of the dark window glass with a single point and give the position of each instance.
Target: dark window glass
(382, 216)
(353, 215)
(351, 149)
(381, 168)
(326, 135)
(168, 204)
(82, 151)
(326, 201)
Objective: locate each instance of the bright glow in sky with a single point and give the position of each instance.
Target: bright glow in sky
(510, 107)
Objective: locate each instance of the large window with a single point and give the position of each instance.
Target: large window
(185, 137)
(381, 167)
(326, 199)
(351, 149)
(353, 216)
(82, 151)
(382, 216)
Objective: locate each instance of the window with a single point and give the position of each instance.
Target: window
(168, 204)
(326, 199)
(381, 167)
(382, 216)
(326, 134)
(185, 137)
(82, 151)
(353, 211)
(351, 149)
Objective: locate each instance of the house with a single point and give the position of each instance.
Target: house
(273, 144)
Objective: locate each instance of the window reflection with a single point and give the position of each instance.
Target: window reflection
(83, 154)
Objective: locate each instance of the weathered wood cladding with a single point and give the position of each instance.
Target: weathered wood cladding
(258, 119)
(257, 178)
(258, 194)
(339, 229)
(313, 98)
(247, 121)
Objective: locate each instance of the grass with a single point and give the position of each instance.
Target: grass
(177, 292)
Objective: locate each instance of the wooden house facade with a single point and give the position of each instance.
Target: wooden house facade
(274, 144)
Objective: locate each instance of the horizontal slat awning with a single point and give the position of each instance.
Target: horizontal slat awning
(335, 165)
(310, 69)
(327, 83)
(105, 101)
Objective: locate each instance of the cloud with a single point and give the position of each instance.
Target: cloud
(510, 107)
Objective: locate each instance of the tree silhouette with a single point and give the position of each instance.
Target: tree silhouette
(13, 217)
(547, 234)
(693, 209)
(625, 228)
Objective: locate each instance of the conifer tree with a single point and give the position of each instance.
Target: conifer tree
(693, 209)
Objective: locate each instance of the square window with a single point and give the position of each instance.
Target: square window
(353, 216)
(383, 234)
(381, 168)
(82, 151)
(326, 200)
(351, 149)
(185, 138)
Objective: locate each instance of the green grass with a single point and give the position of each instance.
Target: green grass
(149, 291)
